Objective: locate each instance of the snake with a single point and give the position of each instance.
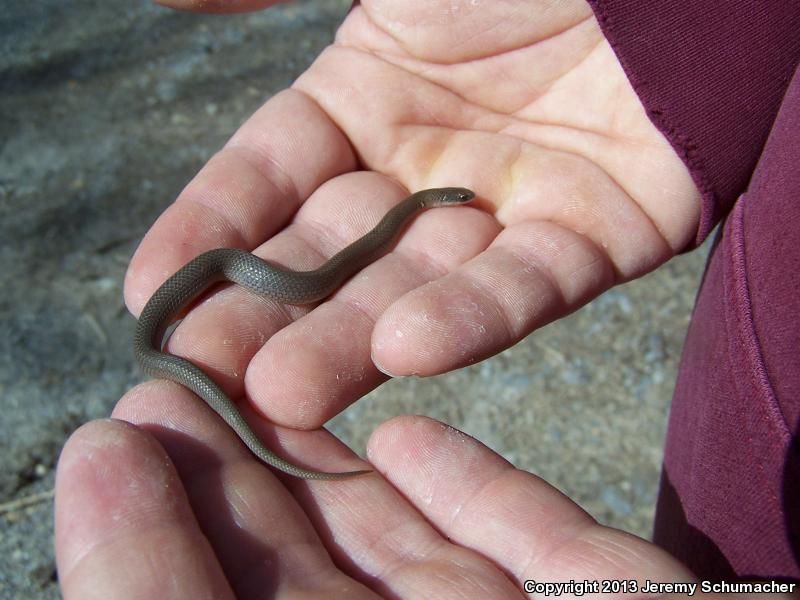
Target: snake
(271, 281)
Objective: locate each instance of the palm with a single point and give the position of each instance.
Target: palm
(533, 109)
(537, 114)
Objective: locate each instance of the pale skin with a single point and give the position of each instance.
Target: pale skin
(578, 191)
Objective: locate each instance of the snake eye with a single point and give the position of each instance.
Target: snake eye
(464, 195)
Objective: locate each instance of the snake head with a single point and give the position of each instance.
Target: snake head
(448, 196)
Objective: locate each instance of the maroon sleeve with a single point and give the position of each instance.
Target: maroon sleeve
(711, 76)
(729, 504)
(717, 81)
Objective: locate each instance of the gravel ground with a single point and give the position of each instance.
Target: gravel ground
(107, 110)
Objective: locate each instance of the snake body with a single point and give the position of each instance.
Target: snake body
(283, 285)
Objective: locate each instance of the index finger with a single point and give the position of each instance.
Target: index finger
(245, 193)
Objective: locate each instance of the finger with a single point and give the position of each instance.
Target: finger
(530, 275)
(520, 522)
(264, 542)
(219, 6)
(314, 367)
(374, 533)
(124, 527)
(245, 193)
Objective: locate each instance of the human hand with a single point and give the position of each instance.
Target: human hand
(527, 106)
(196, 515)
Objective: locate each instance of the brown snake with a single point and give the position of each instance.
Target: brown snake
(277, 283)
